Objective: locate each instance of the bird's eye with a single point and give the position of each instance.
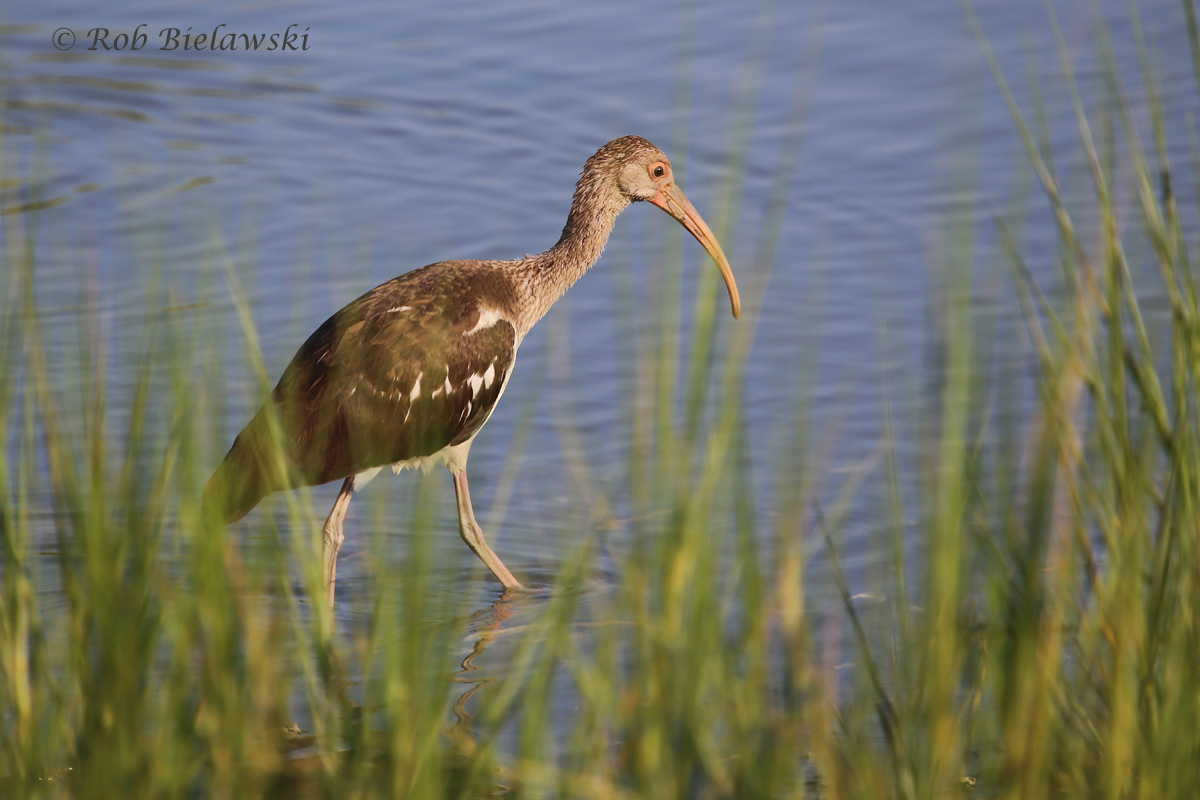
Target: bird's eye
(658, 170)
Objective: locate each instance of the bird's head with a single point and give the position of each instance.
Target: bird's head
(643, 172)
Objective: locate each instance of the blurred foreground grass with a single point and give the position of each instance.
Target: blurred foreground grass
(1048, 645)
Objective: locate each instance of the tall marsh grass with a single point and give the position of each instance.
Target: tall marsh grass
(1045, 644)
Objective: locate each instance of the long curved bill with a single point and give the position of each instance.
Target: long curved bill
(672, 200)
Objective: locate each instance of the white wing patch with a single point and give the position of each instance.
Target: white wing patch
(416, 390)
(489, 376)
(476, 381)
(445, 386)
(487, 318)
(394, 309)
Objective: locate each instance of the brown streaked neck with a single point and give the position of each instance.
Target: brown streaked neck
(547, 276)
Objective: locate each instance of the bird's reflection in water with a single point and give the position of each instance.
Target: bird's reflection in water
(485, 624)
(306, 762)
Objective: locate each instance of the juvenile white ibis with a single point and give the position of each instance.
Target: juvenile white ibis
(407, 374)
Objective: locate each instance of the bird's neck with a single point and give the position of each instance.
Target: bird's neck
(548, 275)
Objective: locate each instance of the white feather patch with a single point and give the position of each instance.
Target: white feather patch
(487, 318)
(489, 376)
(416, 390)
(454, 457)
(365, 477)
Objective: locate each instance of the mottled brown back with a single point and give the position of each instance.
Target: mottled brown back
(346, 403)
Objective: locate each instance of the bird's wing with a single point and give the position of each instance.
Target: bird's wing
(404, 371)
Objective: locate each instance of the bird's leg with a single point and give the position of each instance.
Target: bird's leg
(334, 536)
(472, 534)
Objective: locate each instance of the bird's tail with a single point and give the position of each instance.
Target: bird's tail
(236, 487)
